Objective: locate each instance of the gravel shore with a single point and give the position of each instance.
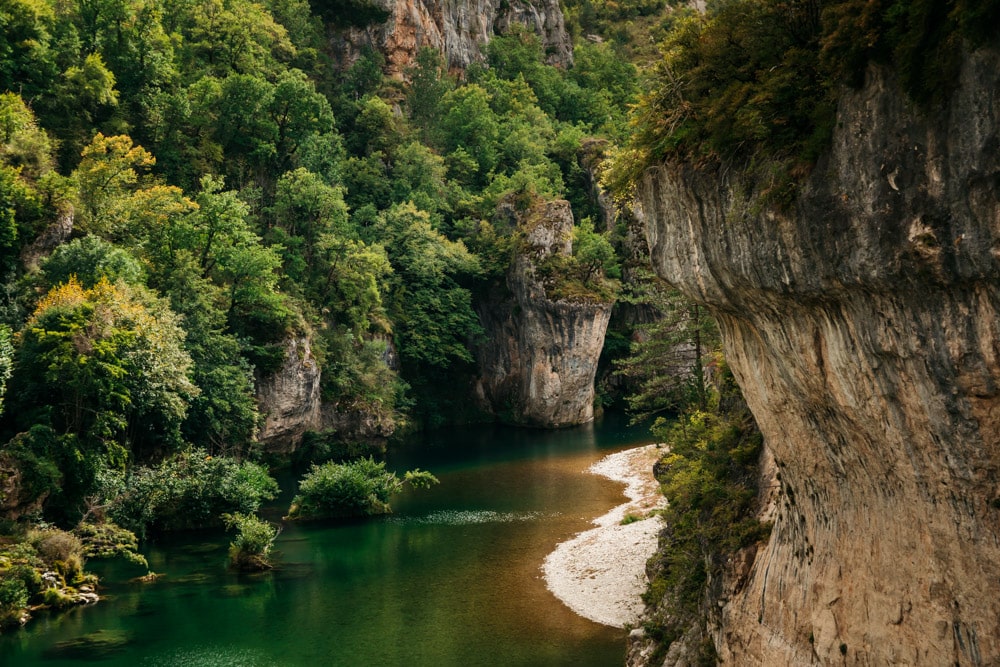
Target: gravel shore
(601, 573)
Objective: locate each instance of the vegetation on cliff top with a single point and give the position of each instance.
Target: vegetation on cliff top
(756, 81)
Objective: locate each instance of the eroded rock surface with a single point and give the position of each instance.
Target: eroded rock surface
(456, 28)
(289, 399)
(538, 363)
(863, 328)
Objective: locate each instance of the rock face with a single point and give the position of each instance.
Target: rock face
(863, 328)
(456, 28)
(291, 402)
(538, 364)
(289, 399)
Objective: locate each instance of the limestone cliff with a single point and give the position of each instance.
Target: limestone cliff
(291, 403)
(863, 328)
(456, 28)
(538, 363)
(289, 398)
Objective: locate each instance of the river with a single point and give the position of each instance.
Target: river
(451, 578)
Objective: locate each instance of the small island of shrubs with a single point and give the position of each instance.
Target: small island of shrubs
(353, 489)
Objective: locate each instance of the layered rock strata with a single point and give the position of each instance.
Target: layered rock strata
(456, 28)
(863, 328)
(538, 363)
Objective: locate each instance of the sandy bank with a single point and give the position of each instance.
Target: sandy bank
(600, 574)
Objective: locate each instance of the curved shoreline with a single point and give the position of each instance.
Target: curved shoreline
(601, 573)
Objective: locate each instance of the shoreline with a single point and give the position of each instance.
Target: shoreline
(601, 573)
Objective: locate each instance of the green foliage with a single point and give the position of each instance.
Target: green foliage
(588, 274)
(757, 80)
(432, 310)
(91, 259)
(189, 490)
(709, 477)
(6, 361)
(358, 488)
(666, 363)
(107, 540)
(105, 366)
(357, 378)
(24, 557)
(743, 81)
(13, 599)
(251, 549)
(351, 198)
(60, 550)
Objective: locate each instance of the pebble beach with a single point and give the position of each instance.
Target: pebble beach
(601, 573)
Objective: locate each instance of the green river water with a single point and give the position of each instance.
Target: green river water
(451, 578)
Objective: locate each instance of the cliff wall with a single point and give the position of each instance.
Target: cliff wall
(863, 328)
(538, 363)
(289, 398)
(456, 28)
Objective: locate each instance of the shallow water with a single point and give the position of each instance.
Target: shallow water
(451, 578)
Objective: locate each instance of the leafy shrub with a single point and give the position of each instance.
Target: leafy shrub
(108, 540)
(190, 490)
(359, 488)
(59, 550)
(709, 479)
(13, 599)
(254, 538)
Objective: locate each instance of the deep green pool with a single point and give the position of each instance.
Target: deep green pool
(452, 578)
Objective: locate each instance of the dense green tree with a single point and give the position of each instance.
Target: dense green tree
(104, 368)
(27, 61)
(84, 99)
(23, 144)
(429, 83)
(91, 259)
(111, 170)
(432, 310)
(234, 36)
(471, 126)
(667, 362)
(223, 417)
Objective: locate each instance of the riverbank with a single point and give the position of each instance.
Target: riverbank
(601, 573)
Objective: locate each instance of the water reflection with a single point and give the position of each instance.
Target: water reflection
(452, 578)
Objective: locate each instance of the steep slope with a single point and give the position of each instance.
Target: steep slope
(863, 328)
(456, 28)
(539, 357)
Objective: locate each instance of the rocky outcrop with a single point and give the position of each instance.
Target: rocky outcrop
(864, 329)
(18, 496)
(456, 28)
(538, 363)
(51, 237)
(291, 404)
(289, 399)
